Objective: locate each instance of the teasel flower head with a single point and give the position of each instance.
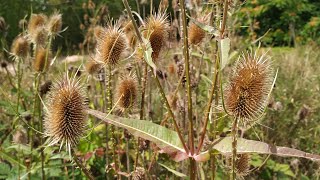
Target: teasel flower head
(157, 32)
(42, 59)
(127, 91)
(55, 24)
(39, 36)
(110, 45)
(243, 164)
(93, 67)
(36, 21)
(20, 47)
(246, 95)
(65, 112)
(97, 31)
(195, 33)
(138, 173)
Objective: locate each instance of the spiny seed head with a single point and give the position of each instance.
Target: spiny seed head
(55, 24)
(138, 174)
(157, 31)
(243, 164)
(249, 85)
(195, 34)
(39, 36)
(3, 25)
(65, 115)
(127, 92)
(41, 61)
(20, 47)
(92, 67)
(111, 44)
(36, 21)
(97, 31)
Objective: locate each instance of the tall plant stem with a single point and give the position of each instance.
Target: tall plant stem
(234, 147)
(81, 166)
(193, 169)
(19, 76)
(125, 2)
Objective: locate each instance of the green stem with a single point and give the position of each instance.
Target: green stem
(193, 168)
(81, 166)
(234, 147)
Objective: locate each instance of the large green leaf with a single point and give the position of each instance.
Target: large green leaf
(224, 146)
(165, 138)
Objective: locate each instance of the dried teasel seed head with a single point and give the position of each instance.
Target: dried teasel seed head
(138, 174)
(127, 91)
(157, 31)
(36, 21)
(98, 31)
(39, 36)
(195, 34)
(172, 69)
(20, 47)
(23, 24)
(55, 24)
(45, 88)
(249, 86)
(20, 136)
(243, 164)
(3, 25)
(93, 67)
(65, 115)
(110, 45)
(41, 62)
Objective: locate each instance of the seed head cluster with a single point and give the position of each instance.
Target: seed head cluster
(243, 164)
(55, 24)
(248, 88)
(111, 44)
(195, 34)
(65, 116)
(92, 67)
(20, 47)
(41, 61)
(127, 92)
(157, 31)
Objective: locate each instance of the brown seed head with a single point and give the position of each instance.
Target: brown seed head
(195, 34)
(92, 67)
(20, 47)
(127, 92)
(98, 31)
(3, 25)
(111, 44)
(65, 115)
(138, 174)
(172, 69)
(55, 24)
(39, 36)
(243, 164)
(23, 23)
(36, 21)
(39, 63)
(248, 88)
(157, 32)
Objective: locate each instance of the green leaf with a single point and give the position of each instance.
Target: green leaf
(165, 138)
(8, 157)
(224, 146)
(4, 170)
(224, 51)
(179, 174)
(147, 55)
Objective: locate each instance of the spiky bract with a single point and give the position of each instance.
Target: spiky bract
(41, 61)
(157, 31)
(20, 47)
(195, 34)
(93, 67)
(127, 92)
(65, 116)
(111, 45)
(55, 24)
(243, 164)
(248, 88)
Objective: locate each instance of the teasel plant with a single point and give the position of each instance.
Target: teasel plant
(111, 44)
